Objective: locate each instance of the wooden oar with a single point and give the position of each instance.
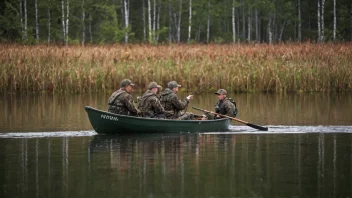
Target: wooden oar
(238, 120)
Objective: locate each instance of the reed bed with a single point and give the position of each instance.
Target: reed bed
(243, 68)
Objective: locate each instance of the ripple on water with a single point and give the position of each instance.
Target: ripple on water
(48, 134)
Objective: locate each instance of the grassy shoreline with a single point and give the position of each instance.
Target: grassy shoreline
(244, 68)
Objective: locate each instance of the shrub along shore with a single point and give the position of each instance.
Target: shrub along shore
(243, 68)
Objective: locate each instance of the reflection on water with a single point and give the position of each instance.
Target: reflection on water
(29, 112)
(179, 165)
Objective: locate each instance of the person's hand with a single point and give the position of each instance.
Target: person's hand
(139, 113)
(189, 97)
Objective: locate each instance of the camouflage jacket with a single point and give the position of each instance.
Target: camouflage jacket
(171, 103)
(120, 102)
(225, 107)
(150, 105)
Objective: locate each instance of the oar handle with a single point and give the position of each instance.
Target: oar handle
(238, 120)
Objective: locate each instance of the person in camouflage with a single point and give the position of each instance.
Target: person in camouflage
(224, 106)
(120, 102)
(172, 105)
(149, 103)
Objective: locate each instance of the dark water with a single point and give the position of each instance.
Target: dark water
(48, 149)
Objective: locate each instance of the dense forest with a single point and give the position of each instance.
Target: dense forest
(174, 21)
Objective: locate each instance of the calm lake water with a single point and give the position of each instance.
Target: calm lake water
(48, 149)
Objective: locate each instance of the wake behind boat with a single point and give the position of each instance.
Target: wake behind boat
(109, 123)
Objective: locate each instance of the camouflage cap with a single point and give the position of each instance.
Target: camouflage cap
(126, 82)
(221, 92)
(173, 84)
(153, 85)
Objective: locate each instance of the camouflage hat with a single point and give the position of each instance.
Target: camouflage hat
(153, 85)
(126, 82)
(221, 92)
(173, 84)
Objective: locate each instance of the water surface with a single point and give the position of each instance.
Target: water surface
(48, 149)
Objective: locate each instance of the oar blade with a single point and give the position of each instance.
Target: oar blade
(257, 127)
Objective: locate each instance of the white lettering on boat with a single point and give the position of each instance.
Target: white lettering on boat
(108, 117)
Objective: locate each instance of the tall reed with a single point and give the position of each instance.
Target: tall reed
(244, 68)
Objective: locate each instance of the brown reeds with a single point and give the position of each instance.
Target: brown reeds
(245, 68)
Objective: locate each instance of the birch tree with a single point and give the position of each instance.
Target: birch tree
(270, 33)
(36, 21)
(179, 23)
(65, 19)
(233, 21)
(126, 5)
(25, 18)
(143, 19)
(334, 11)
(21, 17)
(149, 22)
(208, 22)
(256, 25)
(190, 21)
(322, 20)
(83, 24)
(158, 21)
(170, 21)
(49, 23)
(299, 26)
(249, 23)
(154, 21)
(318, 21)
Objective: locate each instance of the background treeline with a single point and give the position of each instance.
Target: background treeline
(174, 21)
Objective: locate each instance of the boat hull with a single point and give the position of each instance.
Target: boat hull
(108, 123)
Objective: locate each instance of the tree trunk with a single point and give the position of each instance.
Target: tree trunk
(270, 33)
(36, 21)
(208, 22)
(149, 22)
(67, 19)
(318, 20)
(238, 25)
(249, 24)
(170, 22)
(21, 17)
(233, 22)
(126, 12)
(179, 23)
(83, 24)
(143, 19)
(90, 28)
(190, 21)
(158, 21)
(299, 27)
(334, 31)
(243, 21)
(25, 19)
(49, 25)
(282, 31)
(63, 20)
(322, 20)
(256, 26)
(154, 20)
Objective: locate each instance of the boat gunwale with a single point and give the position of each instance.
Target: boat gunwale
(152, 119)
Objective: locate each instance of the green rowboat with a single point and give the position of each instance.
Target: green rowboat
(109, 123)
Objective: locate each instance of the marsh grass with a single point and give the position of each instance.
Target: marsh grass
(244, 68)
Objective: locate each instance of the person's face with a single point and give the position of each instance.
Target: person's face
(129, 88)
(221, 97)
(175, 89)
(155, 90)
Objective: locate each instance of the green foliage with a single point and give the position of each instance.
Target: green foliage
(104, 20)
(10, 27)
